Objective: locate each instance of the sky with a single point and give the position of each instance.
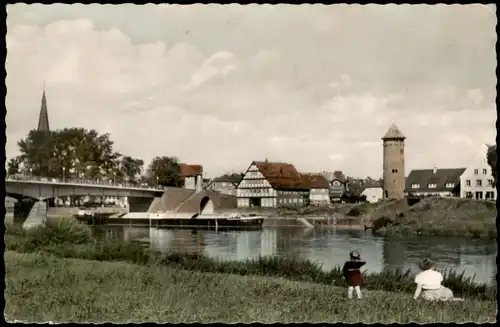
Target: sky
(312, 85)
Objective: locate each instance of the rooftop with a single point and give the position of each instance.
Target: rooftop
(440, 177)
(190, 170)
(393, 133)
(282, 175)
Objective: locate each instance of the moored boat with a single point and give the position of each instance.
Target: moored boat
(92, 217)
(181, 220)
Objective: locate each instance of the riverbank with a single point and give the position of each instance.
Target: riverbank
(431, 216)
(69, 239)
(441, 217)
(42, 287)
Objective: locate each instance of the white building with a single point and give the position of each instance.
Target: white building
(319, 193)
(193, 176)
(272, 185)
(477, 180)
(373, 193)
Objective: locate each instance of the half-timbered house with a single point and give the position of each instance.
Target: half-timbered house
(272, 185)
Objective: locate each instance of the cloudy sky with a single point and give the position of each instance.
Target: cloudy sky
(316, 86)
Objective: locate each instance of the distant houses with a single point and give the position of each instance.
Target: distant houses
(337, 186)
(373, 193)
(226, 184)
(319, 189)
(436, 182)
(477, 179)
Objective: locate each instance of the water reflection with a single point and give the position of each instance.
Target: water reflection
(329, 247)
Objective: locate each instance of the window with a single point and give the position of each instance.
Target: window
(394, 170)
(485, 171)
(467, 182)
(476, 171)
(490, 182)
(415, 185)
(450, 185)
(479, 182)
(468, 194)
(431, 186)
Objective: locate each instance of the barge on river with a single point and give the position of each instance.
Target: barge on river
(177, 220)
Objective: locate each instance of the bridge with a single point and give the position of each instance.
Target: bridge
(35, 191)
(41, 188)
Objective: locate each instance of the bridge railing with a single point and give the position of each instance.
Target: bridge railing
(80, 181)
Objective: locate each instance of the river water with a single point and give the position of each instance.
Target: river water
(328, 246)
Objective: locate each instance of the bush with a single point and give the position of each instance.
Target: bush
(381, 222)
(354, 212)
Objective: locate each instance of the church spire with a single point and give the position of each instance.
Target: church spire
(43, 119)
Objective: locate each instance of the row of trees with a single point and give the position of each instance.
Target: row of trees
(80, 153)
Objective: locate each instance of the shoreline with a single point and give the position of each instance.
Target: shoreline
(72, 240)
(70, 292)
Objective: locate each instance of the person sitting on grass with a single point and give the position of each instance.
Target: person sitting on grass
(429, 284)
(351, 272)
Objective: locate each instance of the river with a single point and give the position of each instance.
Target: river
(330, 247)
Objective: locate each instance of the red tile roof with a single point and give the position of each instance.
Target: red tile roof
(316, 181)
(282, 175)
(190, 170)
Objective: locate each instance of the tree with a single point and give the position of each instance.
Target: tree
(13, 166)
(164, 171)
(71, 152)
(491, 157)
(131, 168)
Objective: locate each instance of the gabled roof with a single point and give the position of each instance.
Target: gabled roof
(441, 177)
(393, 133)
(233, 178)
(316, 181)
(190, 170)
(282, 175)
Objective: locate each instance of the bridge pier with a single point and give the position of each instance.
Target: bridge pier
(30, 213)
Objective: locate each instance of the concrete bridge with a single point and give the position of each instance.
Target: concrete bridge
(43, 189)
(35, 191)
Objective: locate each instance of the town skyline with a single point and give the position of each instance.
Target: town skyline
(235, 101)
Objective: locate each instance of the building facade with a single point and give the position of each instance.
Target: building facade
(337, 186)
(373, 194)
(193, 176)
(394, 163)
(477, 180)
(225, 184)
(319, 194)
(272, 185)
(434, 182)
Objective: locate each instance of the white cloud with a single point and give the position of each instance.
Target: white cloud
(316, 86)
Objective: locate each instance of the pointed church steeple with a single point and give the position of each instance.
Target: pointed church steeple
(43, 118)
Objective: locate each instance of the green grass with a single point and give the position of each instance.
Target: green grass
(68, 239)
(438, 217)
(41, 287)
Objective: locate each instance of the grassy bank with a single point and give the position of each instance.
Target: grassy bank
(440, 217)
(431, 216)
(68, 239)
(40, 287)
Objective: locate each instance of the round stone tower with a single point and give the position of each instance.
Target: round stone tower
(394, 163)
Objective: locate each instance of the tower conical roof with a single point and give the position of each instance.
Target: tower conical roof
(393, 133)
(43, 118)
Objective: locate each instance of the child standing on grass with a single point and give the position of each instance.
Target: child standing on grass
(352, 274)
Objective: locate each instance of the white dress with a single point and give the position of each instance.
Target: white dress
(432, 290)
